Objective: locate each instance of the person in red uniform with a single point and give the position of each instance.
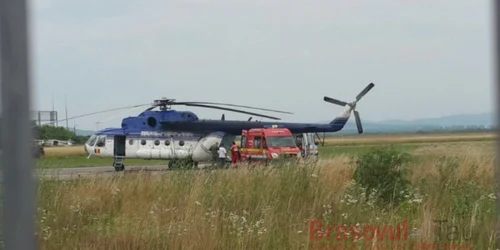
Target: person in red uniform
(235, 153)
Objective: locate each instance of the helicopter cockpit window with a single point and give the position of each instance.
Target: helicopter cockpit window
(181, 143)
(157, 142)
(143, 142)
(91, 140)
(167, 142)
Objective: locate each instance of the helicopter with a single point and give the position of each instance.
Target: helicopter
(180, 135)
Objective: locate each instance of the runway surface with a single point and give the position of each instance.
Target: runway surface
(74, 173)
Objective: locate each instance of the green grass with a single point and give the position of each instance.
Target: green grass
(82, 161)
(332, 151)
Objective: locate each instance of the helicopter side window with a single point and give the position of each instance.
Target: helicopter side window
(143, 142)
(131, 142)
(101, 141)
(167, 143)
(181, 143)
(157, 142)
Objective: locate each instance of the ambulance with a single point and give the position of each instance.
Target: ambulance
(267, 144)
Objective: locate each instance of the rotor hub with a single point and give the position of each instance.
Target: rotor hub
(164, 104)
(352, 105)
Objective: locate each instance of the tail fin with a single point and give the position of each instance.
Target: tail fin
(342, 119)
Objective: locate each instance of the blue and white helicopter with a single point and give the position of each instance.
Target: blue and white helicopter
(180, 135)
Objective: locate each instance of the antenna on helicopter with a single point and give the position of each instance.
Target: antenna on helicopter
(352, 105)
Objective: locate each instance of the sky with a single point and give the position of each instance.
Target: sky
(426, 58)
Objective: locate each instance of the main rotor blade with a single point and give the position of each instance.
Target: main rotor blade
(358, 122)
(232, 105)
(99, 112)
(363, 93)
(334, 101)
(233, 110)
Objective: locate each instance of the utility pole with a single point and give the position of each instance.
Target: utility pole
(54, 123)
(496, 25)
(66, 108)
(18, 184)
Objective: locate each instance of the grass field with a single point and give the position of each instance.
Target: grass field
(273, 208)
(60, 157)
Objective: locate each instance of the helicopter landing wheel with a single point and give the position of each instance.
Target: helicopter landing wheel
(120, 168)
(171, 164)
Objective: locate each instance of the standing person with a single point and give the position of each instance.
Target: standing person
(222, 155)
(235, 153)
(213, 149)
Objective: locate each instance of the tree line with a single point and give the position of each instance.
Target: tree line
(47, 132)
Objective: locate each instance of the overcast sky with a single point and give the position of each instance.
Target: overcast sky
(426, 58)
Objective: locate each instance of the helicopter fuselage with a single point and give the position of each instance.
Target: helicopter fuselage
(154, 145)
(186, 140)
(170, 134)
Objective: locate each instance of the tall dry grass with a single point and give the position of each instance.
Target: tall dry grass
(65, 151)
(268, 208)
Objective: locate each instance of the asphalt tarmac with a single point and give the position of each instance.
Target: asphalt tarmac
(75, 173)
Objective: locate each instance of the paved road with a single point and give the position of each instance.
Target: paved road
(74, 173)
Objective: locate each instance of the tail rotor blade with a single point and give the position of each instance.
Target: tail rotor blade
(358, 122)
(363, 93)
(334, 101)
(249, 119)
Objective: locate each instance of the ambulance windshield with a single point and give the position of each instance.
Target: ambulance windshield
(280, 141)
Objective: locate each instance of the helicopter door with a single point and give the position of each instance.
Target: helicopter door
(119, 145)
(228, 141)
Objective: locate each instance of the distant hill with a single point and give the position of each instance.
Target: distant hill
(452, 122)
(84, 132)
(484, 119)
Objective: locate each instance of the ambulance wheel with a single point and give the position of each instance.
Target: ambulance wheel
(120, 168)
